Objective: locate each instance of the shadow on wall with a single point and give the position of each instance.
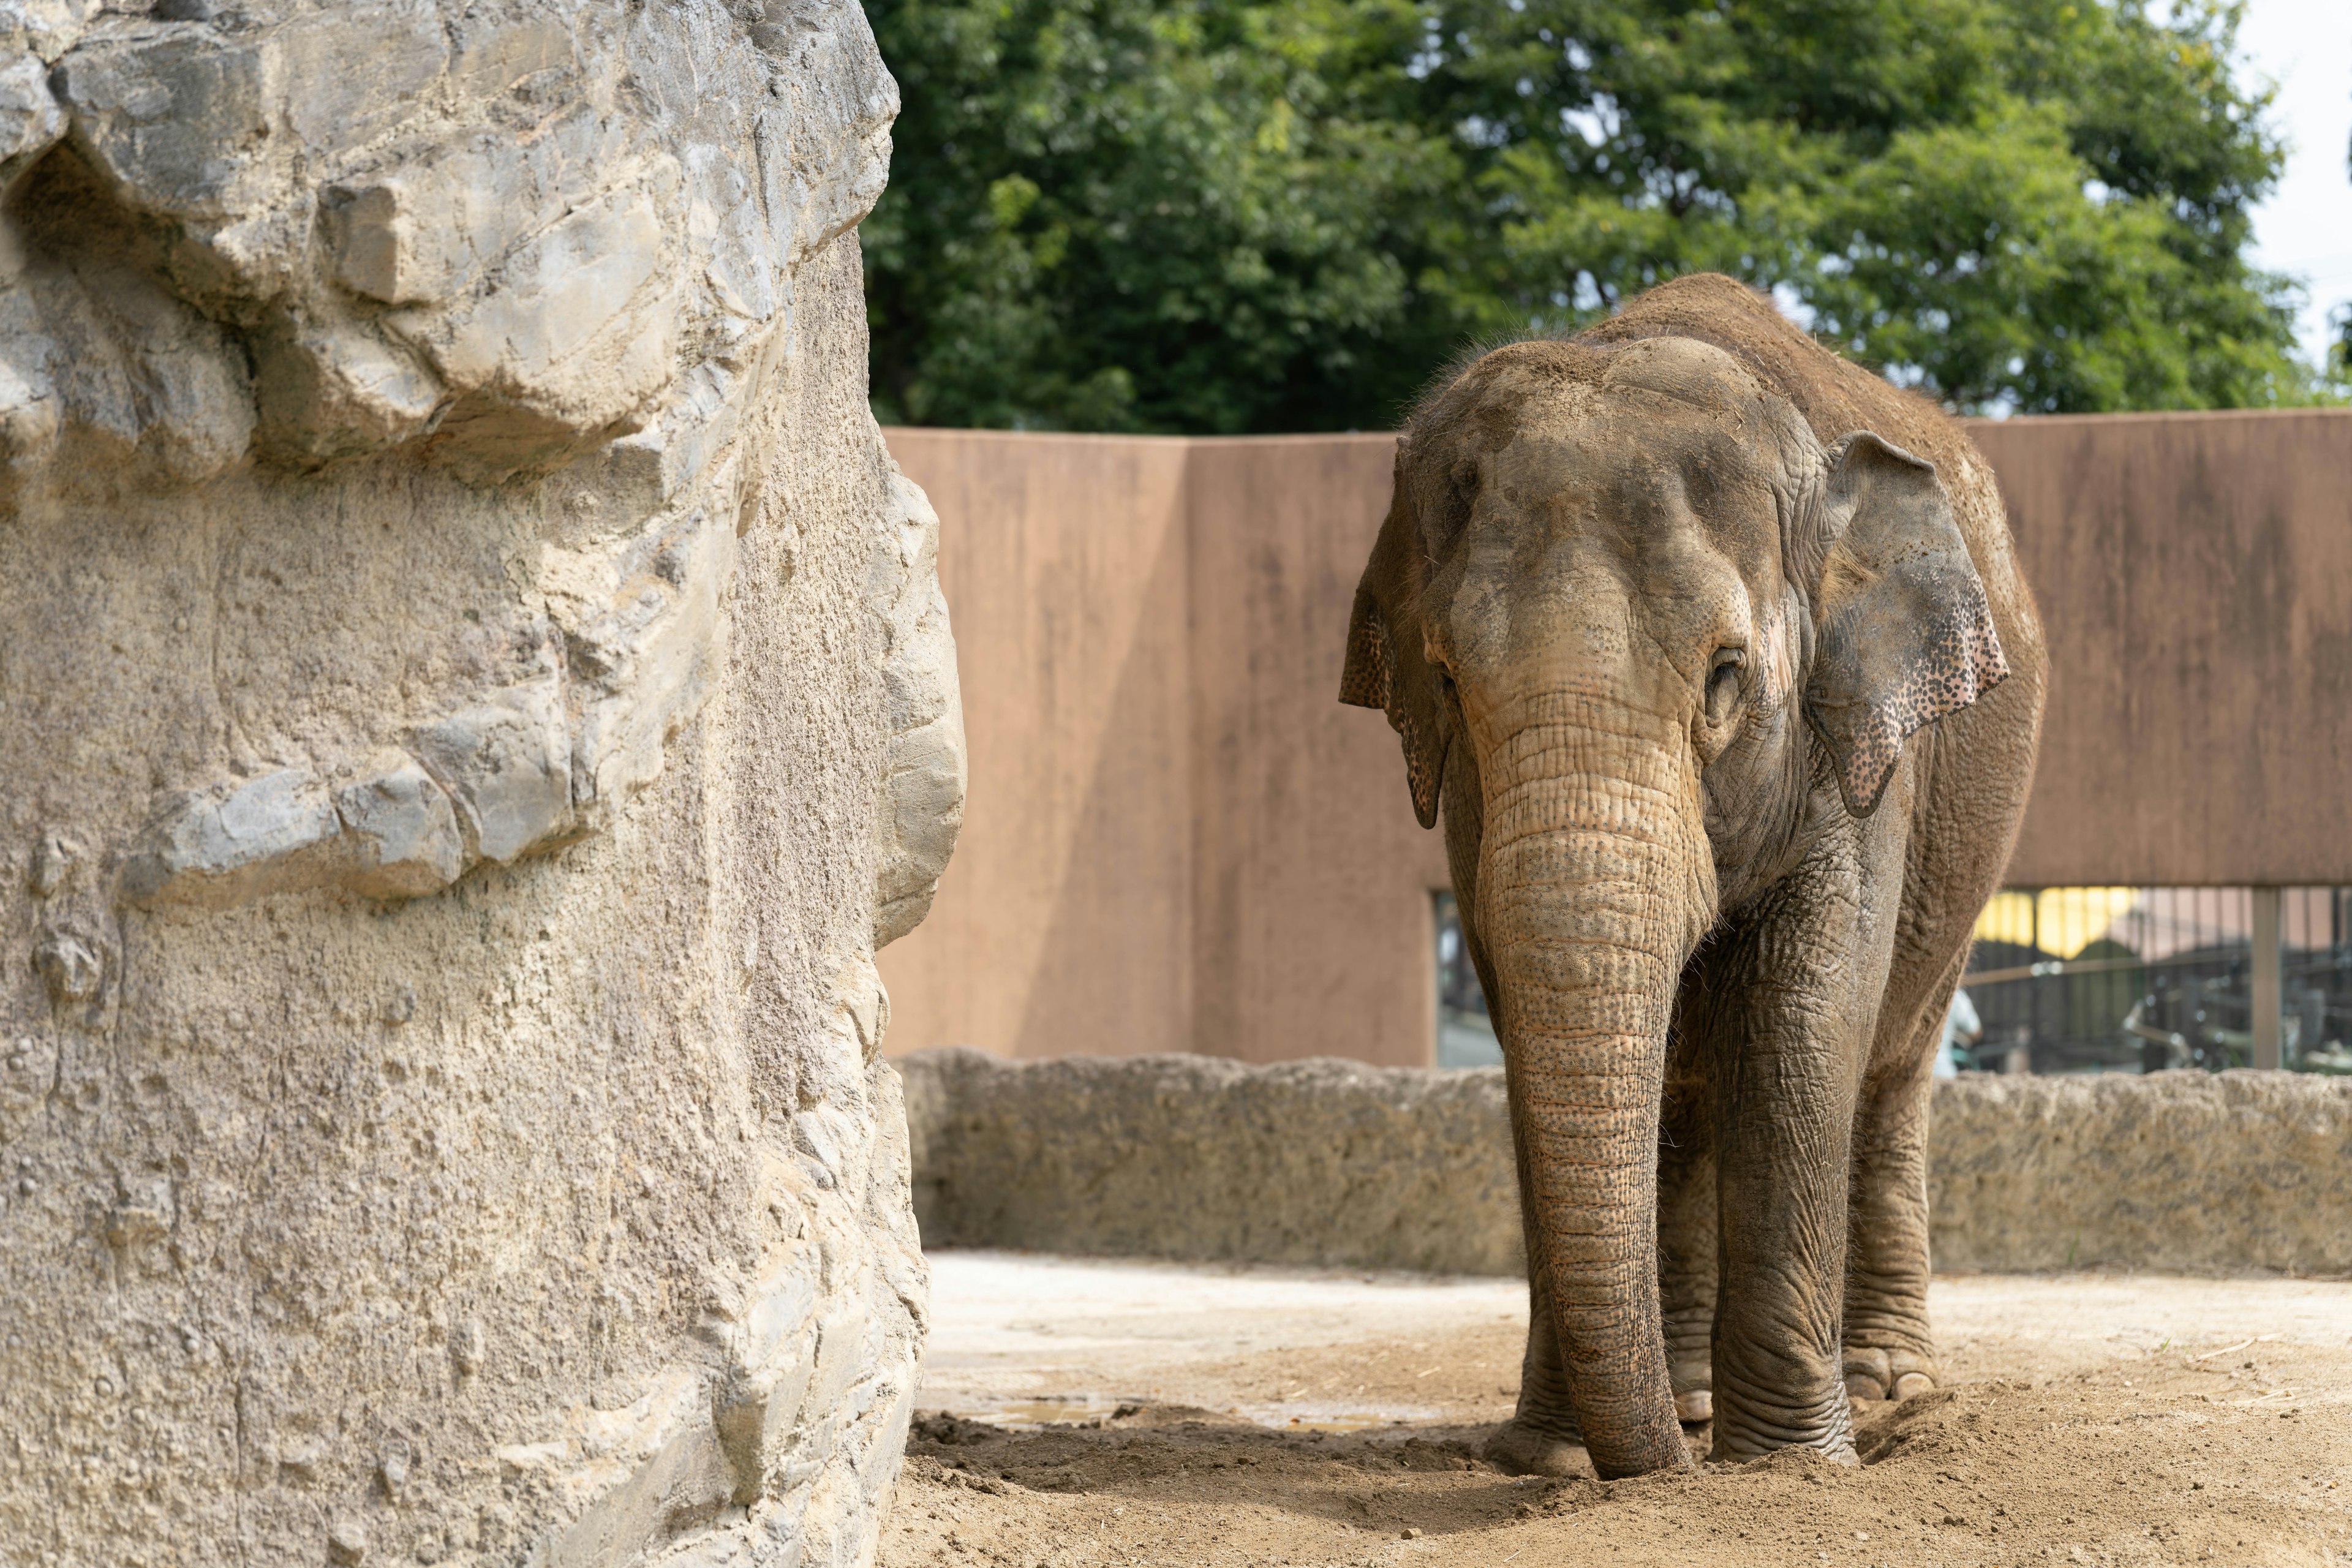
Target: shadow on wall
(1120, 864)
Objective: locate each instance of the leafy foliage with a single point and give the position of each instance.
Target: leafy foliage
(1215, 216)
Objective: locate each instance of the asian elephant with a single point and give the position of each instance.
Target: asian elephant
(1712, 647)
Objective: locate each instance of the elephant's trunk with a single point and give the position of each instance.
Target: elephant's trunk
(1594, 885)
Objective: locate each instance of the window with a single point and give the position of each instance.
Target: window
(1465, 1035)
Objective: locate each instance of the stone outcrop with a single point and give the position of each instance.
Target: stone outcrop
(1334, 1163)
(477, 693)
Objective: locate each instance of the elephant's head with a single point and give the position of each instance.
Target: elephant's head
(1629, 606)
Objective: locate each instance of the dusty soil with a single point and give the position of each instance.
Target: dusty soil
(2087, 1419)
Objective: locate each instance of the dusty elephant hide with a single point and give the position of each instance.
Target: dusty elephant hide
(1710, 649)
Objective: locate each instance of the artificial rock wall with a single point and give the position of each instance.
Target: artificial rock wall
(476, 694)
(1337, 1163)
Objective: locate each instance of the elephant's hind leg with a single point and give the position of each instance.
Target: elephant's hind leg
(1686, 1240)
(1888, 1351)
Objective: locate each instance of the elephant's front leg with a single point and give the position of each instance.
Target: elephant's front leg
(1889, 1353)
(1791, 1030)
(1541, 1437)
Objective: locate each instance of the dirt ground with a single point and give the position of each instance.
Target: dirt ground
(1086, 1413)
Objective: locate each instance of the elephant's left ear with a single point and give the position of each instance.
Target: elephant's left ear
(1903, 635)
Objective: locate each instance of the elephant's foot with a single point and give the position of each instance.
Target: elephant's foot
(1872, 1373)
(1523, 1447)
(1752, 1422)
(1740, 1446)
(1693, 1390)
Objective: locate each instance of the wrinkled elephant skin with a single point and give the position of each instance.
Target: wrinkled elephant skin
(1711, 649)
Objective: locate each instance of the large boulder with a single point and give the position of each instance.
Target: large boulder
(476, 694)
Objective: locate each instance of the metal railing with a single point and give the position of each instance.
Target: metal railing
(2146, 979)
(2098, 980)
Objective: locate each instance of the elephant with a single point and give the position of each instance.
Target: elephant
(1712, 647)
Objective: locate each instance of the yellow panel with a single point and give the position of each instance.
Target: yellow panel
(2068, 919)
(2007, 917)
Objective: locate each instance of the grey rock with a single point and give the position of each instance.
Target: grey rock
(401, 835)
(433, 432)
(646, 644)
(53, 857)
(397, 237)
(923, 790)
(582, 333)
(275, 833)
(325, 395)
(175, 117)
(68, 966)
(399, 51)
(30, 120)
(508, 764)
(45, 27)
(486, 174)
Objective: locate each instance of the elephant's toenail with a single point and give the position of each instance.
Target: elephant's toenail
(1859, 1386)
(1913, 1383)
(1699, 1404)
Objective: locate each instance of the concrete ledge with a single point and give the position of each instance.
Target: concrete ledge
(1334, 1163)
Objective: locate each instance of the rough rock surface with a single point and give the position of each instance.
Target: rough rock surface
(1319, 1161)
(2185, 1172)
(1334, 1163)
(476, 695)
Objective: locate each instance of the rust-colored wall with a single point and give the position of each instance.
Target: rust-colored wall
(2195, 577)
(1311, 913)
(1065, 921)
(1177, 839)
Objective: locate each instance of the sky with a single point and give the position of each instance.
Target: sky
(2305, 228)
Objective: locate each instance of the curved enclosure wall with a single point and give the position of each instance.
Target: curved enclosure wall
(477, 693)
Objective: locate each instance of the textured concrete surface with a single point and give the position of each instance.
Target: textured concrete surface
(1319, 1161)
(1334, 1163)
(477, 693)
(2180, 1171)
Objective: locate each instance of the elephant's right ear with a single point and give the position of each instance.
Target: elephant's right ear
(1385, 667)
(1904, 632)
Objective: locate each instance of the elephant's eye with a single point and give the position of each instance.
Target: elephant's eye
(1723, 685)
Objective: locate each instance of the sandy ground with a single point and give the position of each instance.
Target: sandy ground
(1079, 1412)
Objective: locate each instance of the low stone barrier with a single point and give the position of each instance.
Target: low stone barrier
(1333, 1162)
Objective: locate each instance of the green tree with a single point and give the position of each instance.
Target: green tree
(1214, 215)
